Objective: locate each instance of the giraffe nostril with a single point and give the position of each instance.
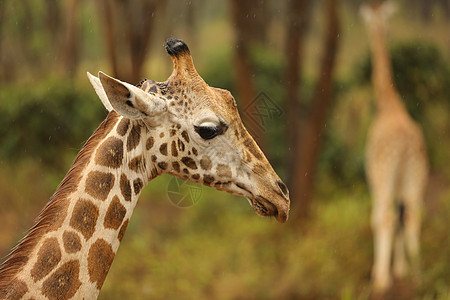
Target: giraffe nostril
(283, 188)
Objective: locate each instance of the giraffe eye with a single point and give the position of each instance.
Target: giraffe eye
(207, 132)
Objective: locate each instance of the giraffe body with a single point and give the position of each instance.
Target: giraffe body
(396, 167)
(182, 127)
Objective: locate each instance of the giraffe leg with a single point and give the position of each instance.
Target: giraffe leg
(412, 235)
(414, 184)
(400, 267)
(383, 223)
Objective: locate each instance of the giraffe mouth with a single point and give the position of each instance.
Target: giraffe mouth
(261, 205)
(265, 208)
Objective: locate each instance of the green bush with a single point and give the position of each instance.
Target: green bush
(422, 78)
(420, 73)
(45, 120)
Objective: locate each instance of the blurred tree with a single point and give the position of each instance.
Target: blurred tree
(297, 17)
(105, 15)
(311, 133)
(2, 23)
(128, 27)
(70, 42)
(190, 20)
(53, 19)
(247, 32)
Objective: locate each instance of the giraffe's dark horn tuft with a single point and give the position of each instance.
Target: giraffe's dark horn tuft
(176, 47)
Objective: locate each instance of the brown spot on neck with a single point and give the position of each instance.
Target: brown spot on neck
(134, 137)
(115, 214)
(49, 256)
(72, 242)
(110, 153)
(125, 187)
(84, 217)
(99, 184)
(100, 258)
(122, 128)
(64, 283)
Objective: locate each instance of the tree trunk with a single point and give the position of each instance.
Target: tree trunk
(139, 16)
(70, 48)
(132, 22)
(53, 20)
(106, 16)
(297, 22)
(244, 72)
(304, 172)
(3, 72)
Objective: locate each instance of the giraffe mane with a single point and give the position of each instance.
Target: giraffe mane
(19, 254)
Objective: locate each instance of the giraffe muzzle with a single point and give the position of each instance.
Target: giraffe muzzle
(267, 208)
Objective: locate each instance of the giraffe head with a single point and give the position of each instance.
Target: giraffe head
(377, 13)
(195, 133)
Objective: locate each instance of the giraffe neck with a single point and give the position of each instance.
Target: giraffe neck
(387, 99)
(69, 251)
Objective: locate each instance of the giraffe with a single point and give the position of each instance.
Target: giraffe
(396, 165)
(181, 127)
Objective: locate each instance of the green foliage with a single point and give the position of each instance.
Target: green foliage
(420, 73)
(44, 120)
(218, 72)
(345, 166)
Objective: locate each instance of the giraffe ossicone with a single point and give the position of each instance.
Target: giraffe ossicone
(181, 127)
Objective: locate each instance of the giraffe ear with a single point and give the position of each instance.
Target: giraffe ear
(128, 100)
(99, 90)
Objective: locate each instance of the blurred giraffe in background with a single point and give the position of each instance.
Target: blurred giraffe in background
(182, 127)
(396, 165)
